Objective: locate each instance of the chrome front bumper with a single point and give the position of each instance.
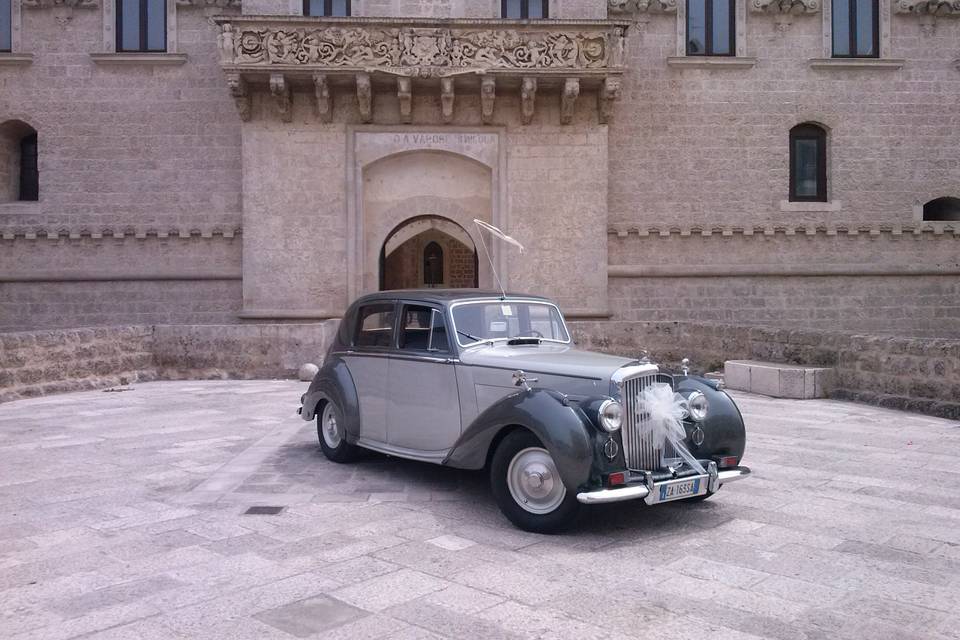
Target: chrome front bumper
(714, 478)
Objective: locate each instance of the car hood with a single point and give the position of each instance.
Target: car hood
(550, 358)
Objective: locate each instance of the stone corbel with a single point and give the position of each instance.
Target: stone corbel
(238, 89)
(62, 9)
(446, 98)
(568, 100)
(528, 99)
(488, 94)
(324, 101)
(609, 91)
(405, 95)
(281, 93)
(929, 11)
(364, 97)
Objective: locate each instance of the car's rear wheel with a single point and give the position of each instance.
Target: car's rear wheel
(331, 435)
(527, 486)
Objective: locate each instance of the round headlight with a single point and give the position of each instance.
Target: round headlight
(698, 406)
(611, 415)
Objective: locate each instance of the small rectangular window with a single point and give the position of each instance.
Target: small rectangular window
(6, 25)
(374, 326)
(525, 9)
(855, 27)
(329, 8)
(142, 25)
(711, 27)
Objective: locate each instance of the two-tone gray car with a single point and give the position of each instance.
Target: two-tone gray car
(480, 380)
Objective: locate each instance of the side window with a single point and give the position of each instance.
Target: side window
(374, 326)
(423, 329)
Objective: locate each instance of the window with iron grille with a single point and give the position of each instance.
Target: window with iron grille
(142, 25)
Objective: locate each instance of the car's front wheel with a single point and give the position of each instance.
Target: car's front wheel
(331, 435)
(527, 486)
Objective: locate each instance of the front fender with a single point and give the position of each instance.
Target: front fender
(561, 426)
(724, 431)
(334, 382)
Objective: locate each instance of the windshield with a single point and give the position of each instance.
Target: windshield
(503, 320)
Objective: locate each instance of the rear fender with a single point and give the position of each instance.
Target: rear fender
(334, 382)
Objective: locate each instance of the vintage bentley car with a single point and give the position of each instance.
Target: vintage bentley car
(480, 380)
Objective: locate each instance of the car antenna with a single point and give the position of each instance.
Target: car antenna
(497, 233)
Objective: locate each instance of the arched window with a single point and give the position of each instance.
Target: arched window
(942, 209)
(711, 27)
(524, 9)
(808, 163)
(19, 168)
(433, 265)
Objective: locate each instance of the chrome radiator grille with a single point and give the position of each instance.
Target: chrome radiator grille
(640, 453)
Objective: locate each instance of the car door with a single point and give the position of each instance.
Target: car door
(423, 413)
(367, 360)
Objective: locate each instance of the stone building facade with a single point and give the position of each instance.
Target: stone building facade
(266, 167)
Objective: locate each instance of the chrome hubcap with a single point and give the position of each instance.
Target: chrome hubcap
(534, 482)
(329, 427)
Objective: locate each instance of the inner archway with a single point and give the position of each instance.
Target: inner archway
(428, 252)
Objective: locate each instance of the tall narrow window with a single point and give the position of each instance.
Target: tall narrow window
(808, 163)
(433, 265)
(29, 169)
(524, 9)
(142, 25)
(6, 20)
(856, 28)
(711, 27)
(326, 8)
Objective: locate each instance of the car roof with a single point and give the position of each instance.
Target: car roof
(444, 296)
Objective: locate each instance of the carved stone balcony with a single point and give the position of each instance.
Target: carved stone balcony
(422, 56)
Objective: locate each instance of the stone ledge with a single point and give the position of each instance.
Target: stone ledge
(711, 62)
(138, 59)
(779, 380)
(16, 59)
(848, 64)
(803, 207)
(140, 234)
(935, 228)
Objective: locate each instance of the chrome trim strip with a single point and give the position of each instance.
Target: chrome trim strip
(730, 475)
(398, 355)
(632, 370)
(613, 495)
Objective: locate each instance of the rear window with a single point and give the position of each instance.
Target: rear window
(374, 326)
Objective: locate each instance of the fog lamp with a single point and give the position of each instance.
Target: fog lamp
(698, 406)
(611, 415)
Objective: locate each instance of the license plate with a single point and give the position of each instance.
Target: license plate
(678, 489)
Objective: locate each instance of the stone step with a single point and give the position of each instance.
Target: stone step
(778, 380)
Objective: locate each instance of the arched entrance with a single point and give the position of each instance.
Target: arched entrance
(428, 252)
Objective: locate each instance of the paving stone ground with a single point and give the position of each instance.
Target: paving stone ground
(122, 516)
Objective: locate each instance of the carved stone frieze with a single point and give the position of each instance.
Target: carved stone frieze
(423, 52)
(633, 7)
(69, 4)
(785, 7)
(940, 8)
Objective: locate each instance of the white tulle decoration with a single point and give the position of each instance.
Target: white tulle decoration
(666, 410)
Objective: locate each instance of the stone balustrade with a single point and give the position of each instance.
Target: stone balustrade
(413, 56)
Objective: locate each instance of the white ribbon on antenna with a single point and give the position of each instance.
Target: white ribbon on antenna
(499, 234)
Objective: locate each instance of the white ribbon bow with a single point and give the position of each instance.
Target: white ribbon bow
(666, 410)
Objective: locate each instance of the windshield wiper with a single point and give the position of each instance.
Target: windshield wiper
(464, 333)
